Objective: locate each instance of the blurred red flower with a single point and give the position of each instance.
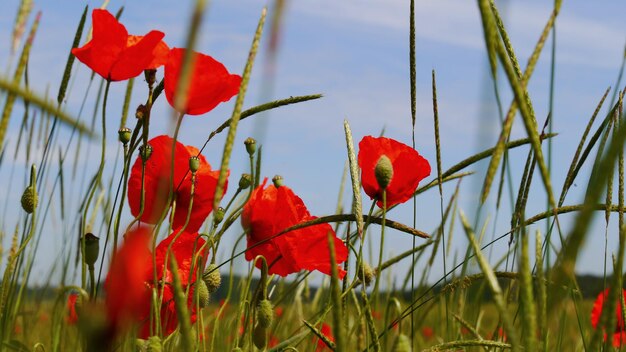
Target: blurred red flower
(160, 52)
(328, 332)
(428, 332)
(271, 210)
(190, 257)
(619, 334)
(157, 184)
(115, 55)
(210, 84)
(72, 317)
(127, 296)
(409, 168)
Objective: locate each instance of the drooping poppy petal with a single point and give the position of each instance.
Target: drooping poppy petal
(109, 53)
(160, 53)
(211, 83)
(409, 168)
(273, 209)
(127, 296)
(619, 333)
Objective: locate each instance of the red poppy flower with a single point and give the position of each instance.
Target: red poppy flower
(157, 183)
(112, 53)
(428, 332)
(271, 210)
(409, 168)
(619, 334)
(72, 317)
(190, 257)
(328, 332)
(210, 84)
(128, 299)
(160, 52)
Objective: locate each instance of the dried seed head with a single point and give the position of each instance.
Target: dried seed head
(383, 171)
(29, 199)
(212, 278)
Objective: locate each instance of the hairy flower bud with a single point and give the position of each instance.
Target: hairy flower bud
(29, 199)
(202, 294)
(401, 344)
(366, 274)
(265, 313)
(250, 145)
(259, 337)
(278, 181)
(212, 278)
(383, 171)
(124, 134)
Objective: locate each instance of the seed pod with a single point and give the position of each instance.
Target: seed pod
(218, 215)
(29, 199)
(250, 145)
(92, 248)
(124, 134)
(278, 181)
(145, 151)
(245, 181)
(383, 171)
(194, 163)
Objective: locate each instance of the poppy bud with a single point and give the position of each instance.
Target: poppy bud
(124, 134)
(92, 248)
(29, 199)
(245, 181)
(250, 145)
(141, 112)
(259, 337)
(218, 215)
(194, 164)
(202, 294)
(154, 344)
(401, 344)
(366, 274)
(278, 181)
(212, 278)
(383, 171)
(265, 313)
(150, 75)
(145, 151)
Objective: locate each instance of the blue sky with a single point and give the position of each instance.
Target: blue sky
(356, 54)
